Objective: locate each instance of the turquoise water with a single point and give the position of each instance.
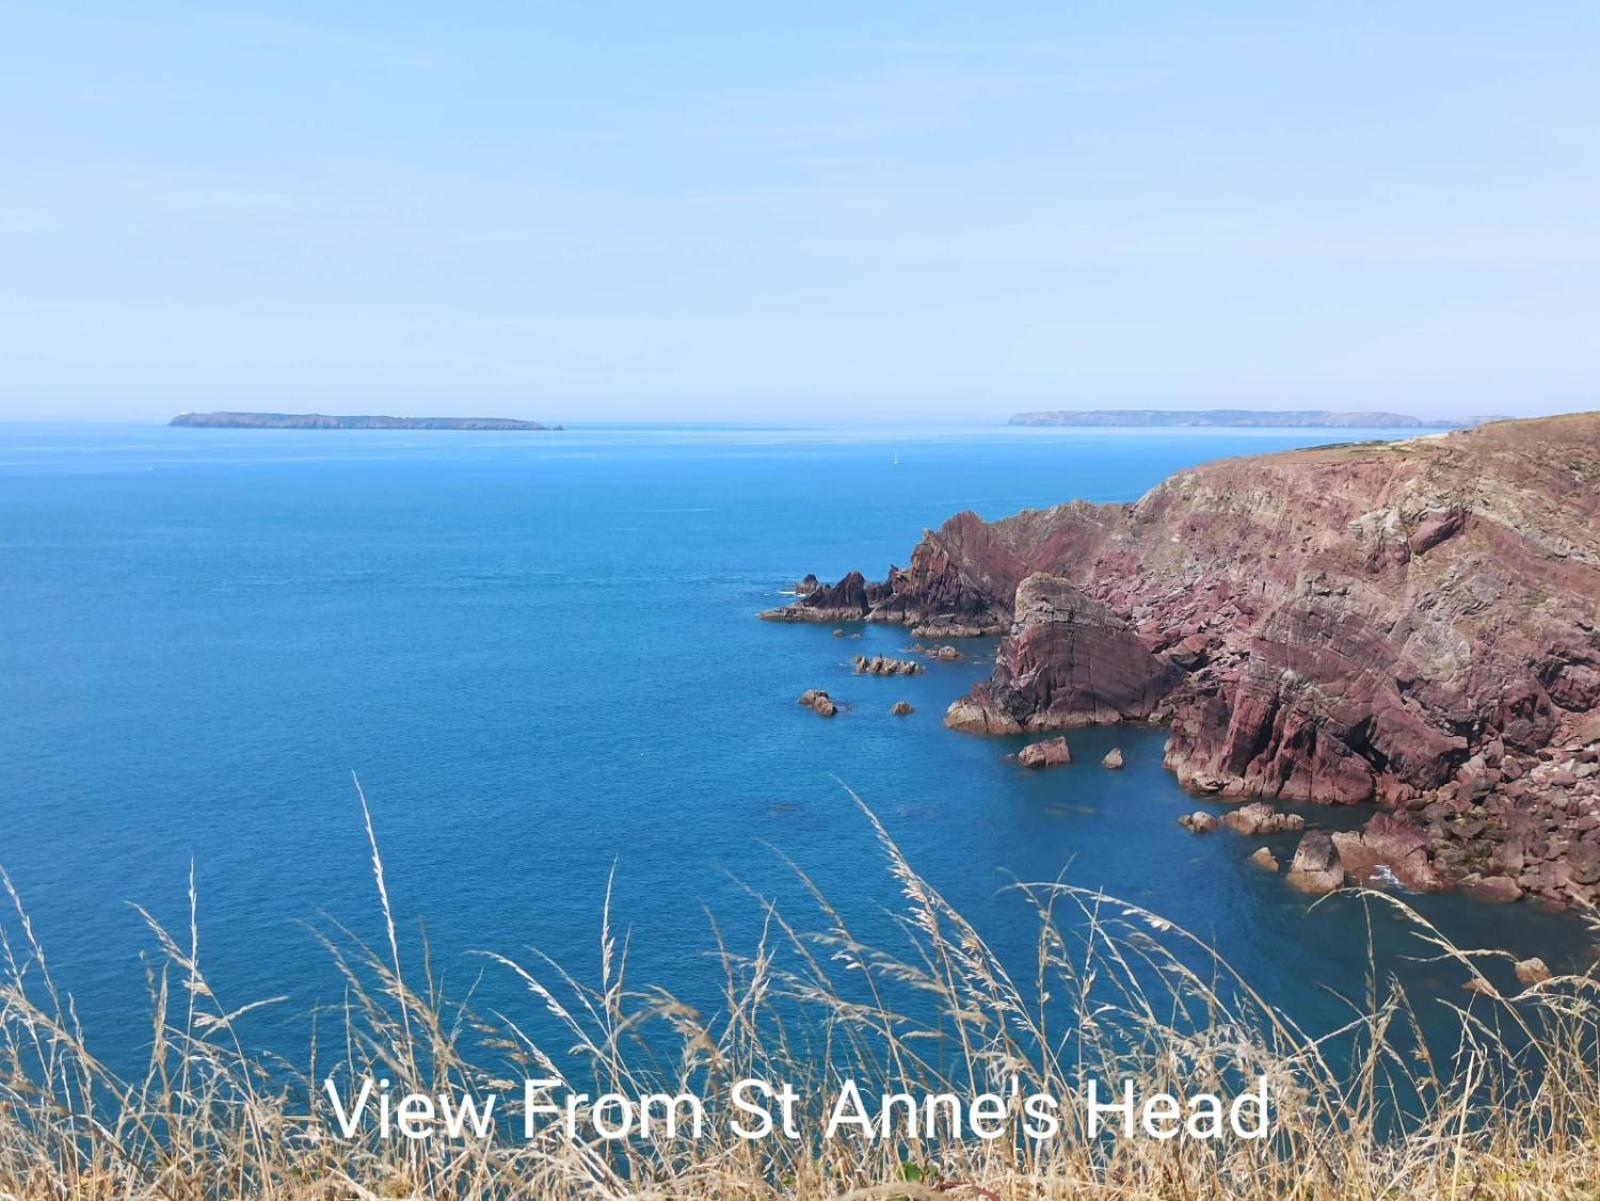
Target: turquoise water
(540, 654)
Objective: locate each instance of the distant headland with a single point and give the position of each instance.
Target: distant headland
(1239, 419)
(325, 421)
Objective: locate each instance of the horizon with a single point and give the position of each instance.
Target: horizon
(720, 215)
(883, 424)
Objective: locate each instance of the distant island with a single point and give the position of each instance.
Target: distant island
(1237, 418)
(325, 421)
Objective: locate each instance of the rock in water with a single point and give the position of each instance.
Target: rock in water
(1113, 759)
(1198, 822)
(1260, 818)
(1501, 890)
(818, 701)
(901, 708)
(1264, 859)
(1406, 623)
(884, 665)
(1316, 867)
(1532, 971)
(1052, 752)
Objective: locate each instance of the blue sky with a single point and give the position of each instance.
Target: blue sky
(616, 211)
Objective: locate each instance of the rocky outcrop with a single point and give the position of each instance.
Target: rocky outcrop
(1113, 759)
(1198, 822)
(883, 665)
(1260, 818)
(1414, 625)
(901, 709)
(1052, 752)
(819, 702)
(851, 599)
(1070, 661)
(1391, 848)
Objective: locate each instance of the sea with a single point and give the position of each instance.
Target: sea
(539, 655)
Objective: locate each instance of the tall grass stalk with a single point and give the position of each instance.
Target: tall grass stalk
(1372, 1110)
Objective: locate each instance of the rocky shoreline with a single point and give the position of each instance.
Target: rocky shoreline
(1411, 625)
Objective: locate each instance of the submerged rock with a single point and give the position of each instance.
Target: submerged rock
(1264, 859)
(1052, 752)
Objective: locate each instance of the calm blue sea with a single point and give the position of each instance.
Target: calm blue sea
(540, 654)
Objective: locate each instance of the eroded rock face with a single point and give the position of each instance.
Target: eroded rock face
(1071, 662)
(1392, 845)
(1414, 625)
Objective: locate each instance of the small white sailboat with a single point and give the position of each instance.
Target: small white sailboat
(896, 460)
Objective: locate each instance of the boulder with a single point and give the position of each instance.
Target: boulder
(1501, 890)
(1532, 971)
(818, 702)
(1198, 822)
(975, 717)
(1260, 818)
(1052, 752)
(901, 708)
(1265, 860)
(1316, 867)
(1113, 759)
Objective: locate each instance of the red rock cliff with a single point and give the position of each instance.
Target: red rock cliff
(1410, 623)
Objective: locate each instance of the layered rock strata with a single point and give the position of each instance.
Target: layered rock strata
(1412, 624)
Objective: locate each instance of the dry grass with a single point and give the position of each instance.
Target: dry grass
(1114, 993)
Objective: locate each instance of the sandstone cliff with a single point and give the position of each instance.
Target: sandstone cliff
(1412, 624)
